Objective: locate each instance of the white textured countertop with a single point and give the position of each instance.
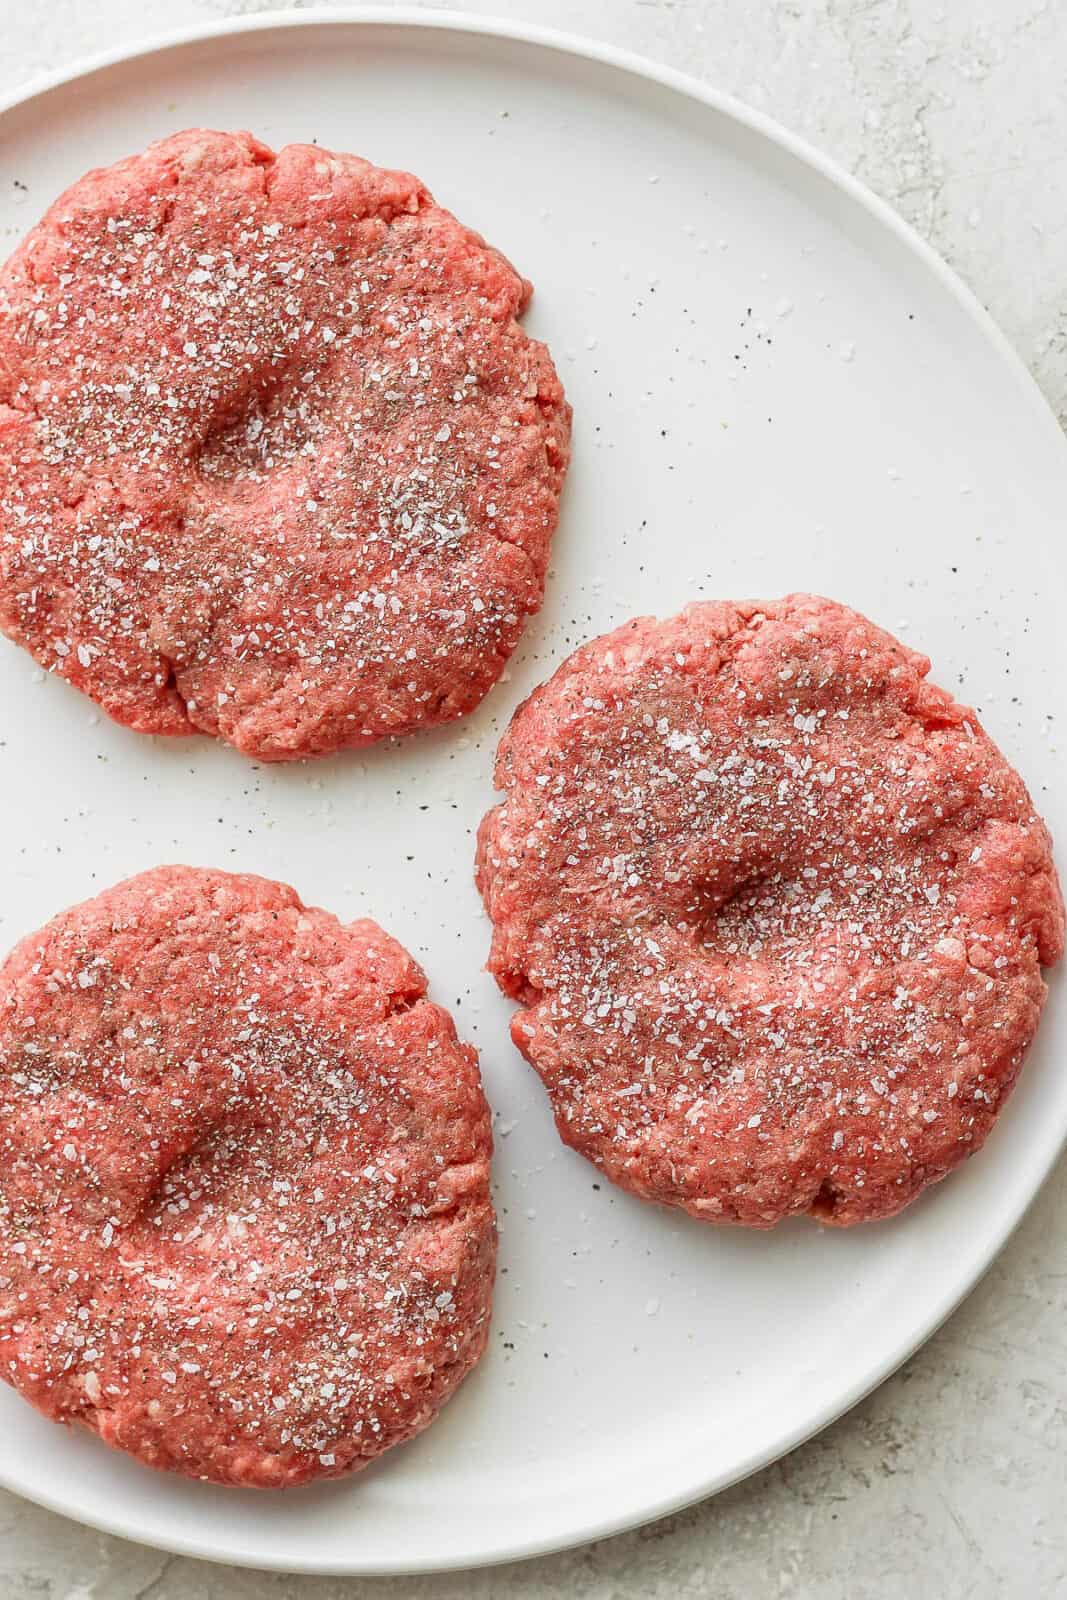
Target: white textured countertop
(950, 1480)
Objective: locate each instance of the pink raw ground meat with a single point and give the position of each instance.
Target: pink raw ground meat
(245, 1225)
(277, 462)
(774, 907)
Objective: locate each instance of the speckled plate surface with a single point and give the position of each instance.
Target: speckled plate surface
(775, 387)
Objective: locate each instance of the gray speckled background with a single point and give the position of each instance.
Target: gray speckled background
(950, 1481)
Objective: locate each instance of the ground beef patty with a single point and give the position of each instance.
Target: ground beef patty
(245, 1225)
(277, 463)
(775, 909)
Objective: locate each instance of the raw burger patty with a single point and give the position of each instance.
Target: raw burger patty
(774, 907)
(245, 1225)
(277, 463)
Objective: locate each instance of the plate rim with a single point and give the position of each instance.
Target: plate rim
(426, 20)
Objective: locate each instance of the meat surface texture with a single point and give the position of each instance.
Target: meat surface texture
(277, 462)
(774, 909)
(245, 1223)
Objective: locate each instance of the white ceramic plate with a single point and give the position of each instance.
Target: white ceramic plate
(775, 386)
